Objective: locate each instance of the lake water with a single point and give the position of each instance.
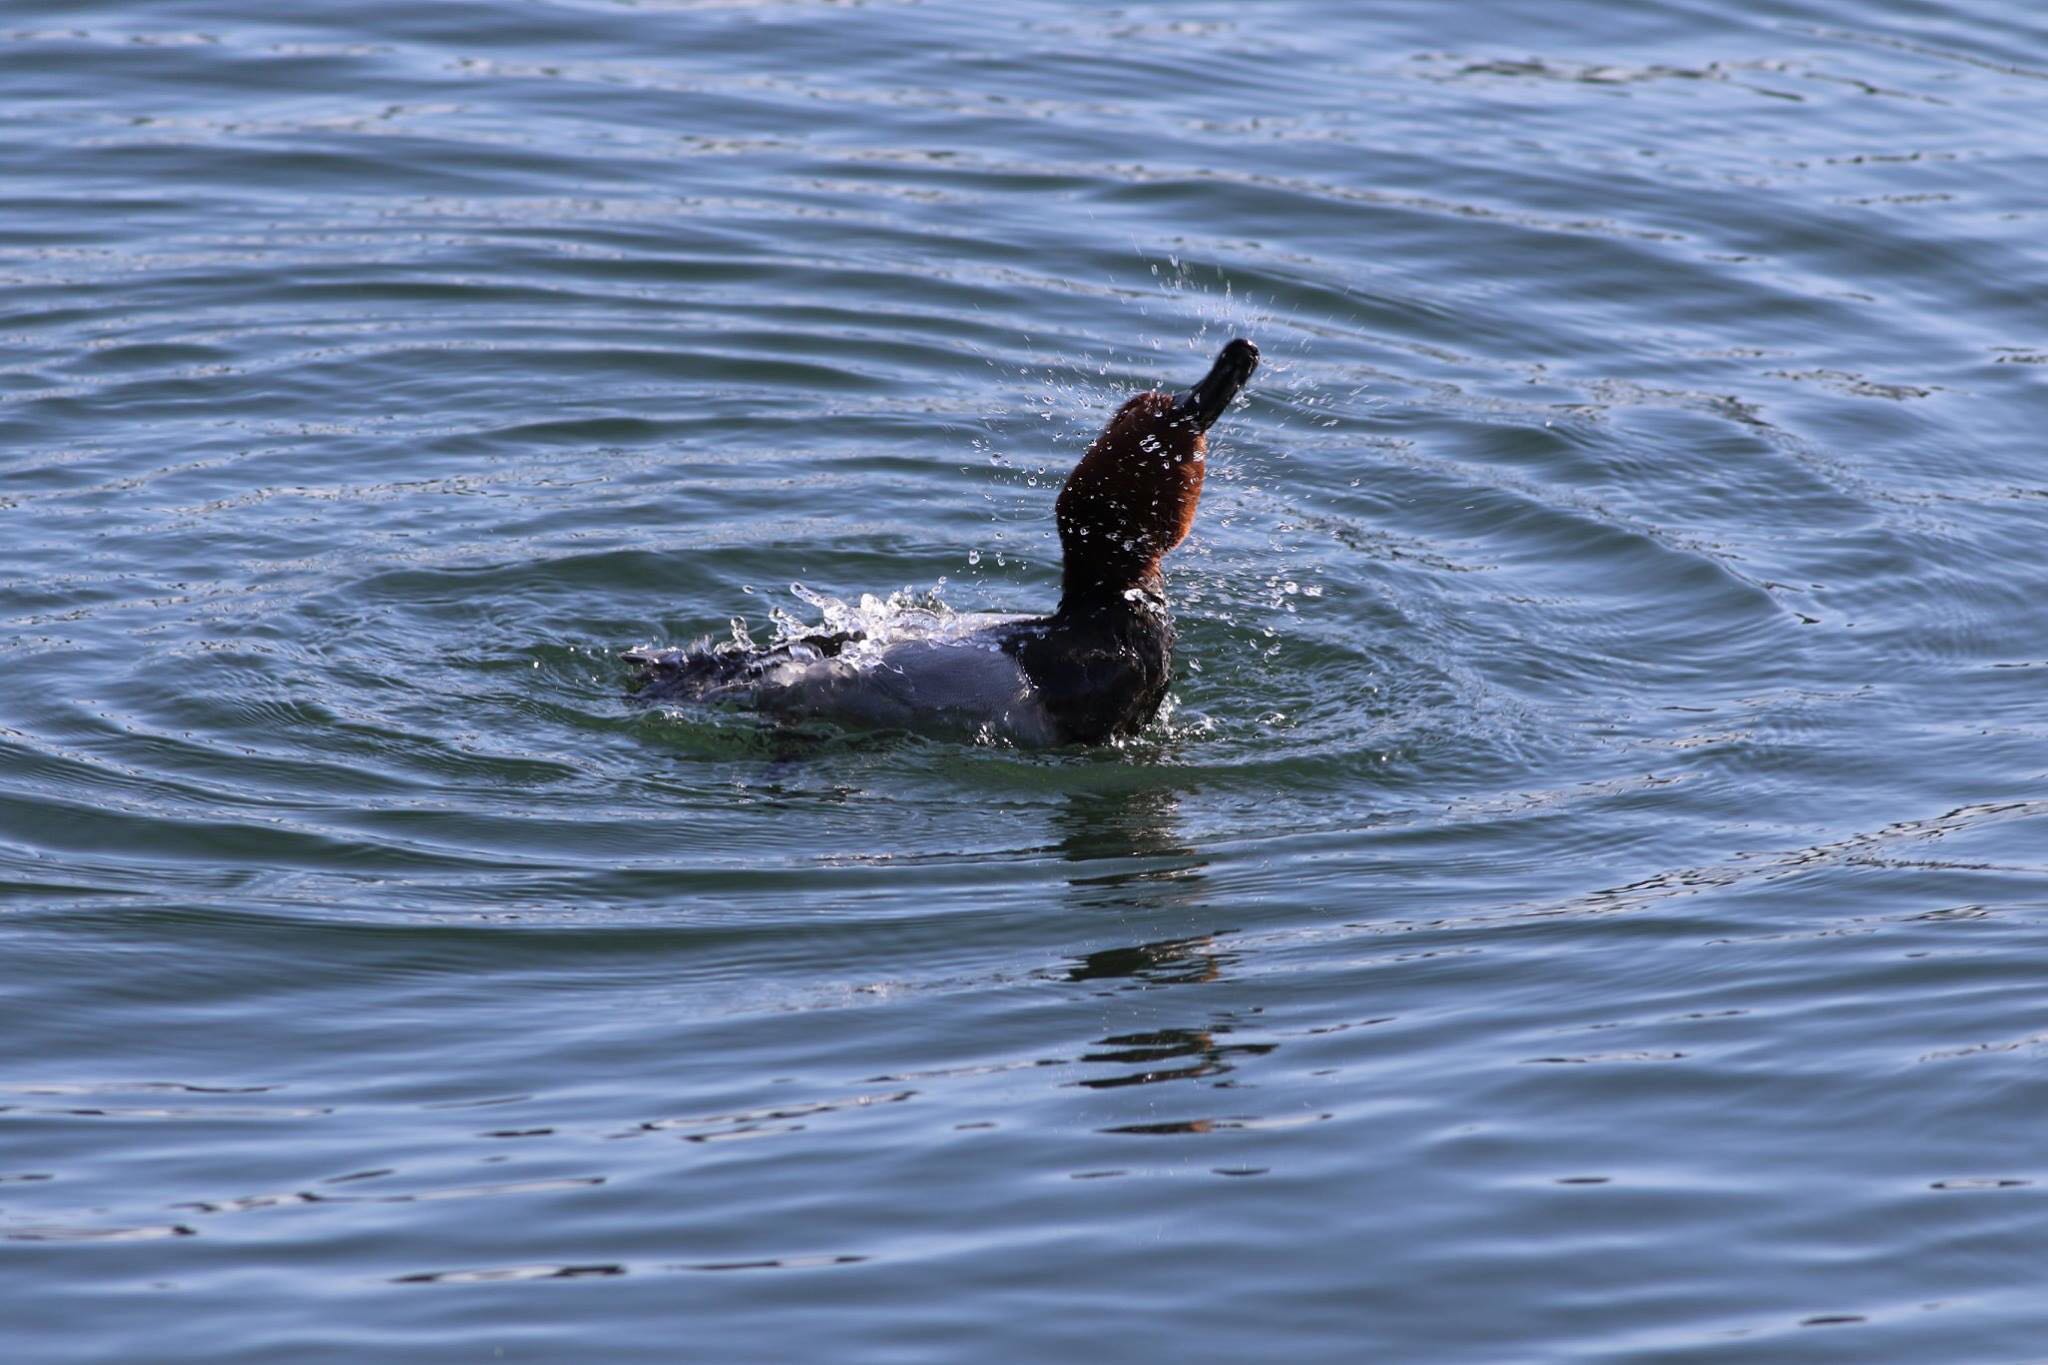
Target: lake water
(1588, 900)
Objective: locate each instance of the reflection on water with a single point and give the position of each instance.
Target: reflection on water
(1199, 1052)
(1133, 859)
(1169, 962)
(1128, 847)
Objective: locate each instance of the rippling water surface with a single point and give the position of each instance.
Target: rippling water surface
(1586, 901)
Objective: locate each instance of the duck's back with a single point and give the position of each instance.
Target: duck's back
(959, 681)
(967, 685)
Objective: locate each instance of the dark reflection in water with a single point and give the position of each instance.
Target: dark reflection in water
(1169, 962)
(1132, 858)
(502, 1274)
(1128, 848)
(1196, 1052)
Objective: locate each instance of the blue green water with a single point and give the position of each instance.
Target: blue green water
(1585, 902)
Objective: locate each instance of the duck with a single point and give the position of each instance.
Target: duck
(1094, 671)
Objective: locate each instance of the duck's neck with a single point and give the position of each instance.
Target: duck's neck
(1083, 594)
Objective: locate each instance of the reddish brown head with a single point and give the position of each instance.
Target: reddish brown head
(1133, 496)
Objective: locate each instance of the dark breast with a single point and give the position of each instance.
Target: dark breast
(1101, 669)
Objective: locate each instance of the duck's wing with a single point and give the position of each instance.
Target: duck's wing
(969, 687)
(700, 674)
